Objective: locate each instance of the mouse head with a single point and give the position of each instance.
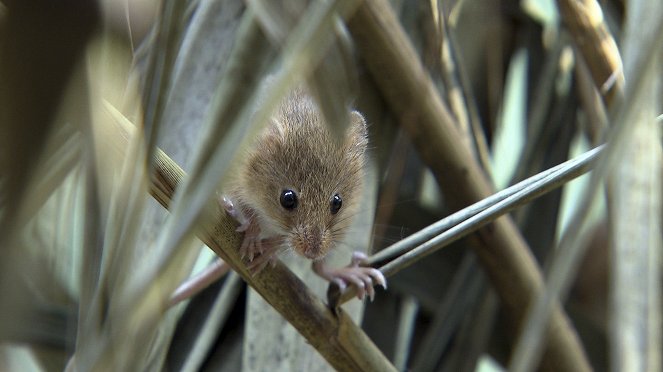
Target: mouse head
(305, 183)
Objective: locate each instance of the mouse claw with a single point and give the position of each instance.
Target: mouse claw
(340, 283)
(360, 258)
(251, 247)
(379, 277)
(268, 255)
(252, 244)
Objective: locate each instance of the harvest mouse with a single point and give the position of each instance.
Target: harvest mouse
(299, 189)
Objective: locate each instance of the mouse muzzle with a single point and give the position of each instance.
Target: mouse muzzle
(310, 243)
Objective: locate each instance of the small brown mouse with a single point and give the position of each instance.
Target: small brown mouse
(300, 188)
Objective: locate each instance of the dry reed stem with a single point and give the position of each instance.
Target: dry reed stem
(584, 20)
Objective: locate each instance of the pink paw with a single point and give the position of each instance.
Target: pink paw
(270, 249)
(232, 211)
(251, 245)
(258, 251)
(362, 278)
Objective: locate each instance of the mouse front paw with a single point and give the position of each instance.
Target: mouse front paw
(227, 204)
(270, 249)
(252, 244)
(362, 278)
(257, 250)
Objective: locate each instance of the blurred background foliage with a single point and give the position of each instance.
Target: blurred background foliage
(89, 91)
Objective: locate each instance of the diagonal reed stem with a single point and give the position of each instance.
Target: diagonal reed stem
(460, 224)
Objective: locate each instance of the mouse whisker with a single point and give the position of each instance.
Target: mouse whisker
(347, 216)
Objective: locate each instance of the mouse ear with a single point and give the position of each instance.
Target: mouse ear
(357, 134)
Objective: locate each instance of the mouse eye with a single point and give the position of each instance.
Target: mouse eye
(335, 204)
(288, 199)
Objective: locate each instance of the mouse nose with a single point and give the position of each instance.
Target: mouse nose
(310, 244)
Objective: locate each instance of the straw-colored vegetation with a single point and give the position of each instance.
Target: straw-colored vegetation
(120, 122)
